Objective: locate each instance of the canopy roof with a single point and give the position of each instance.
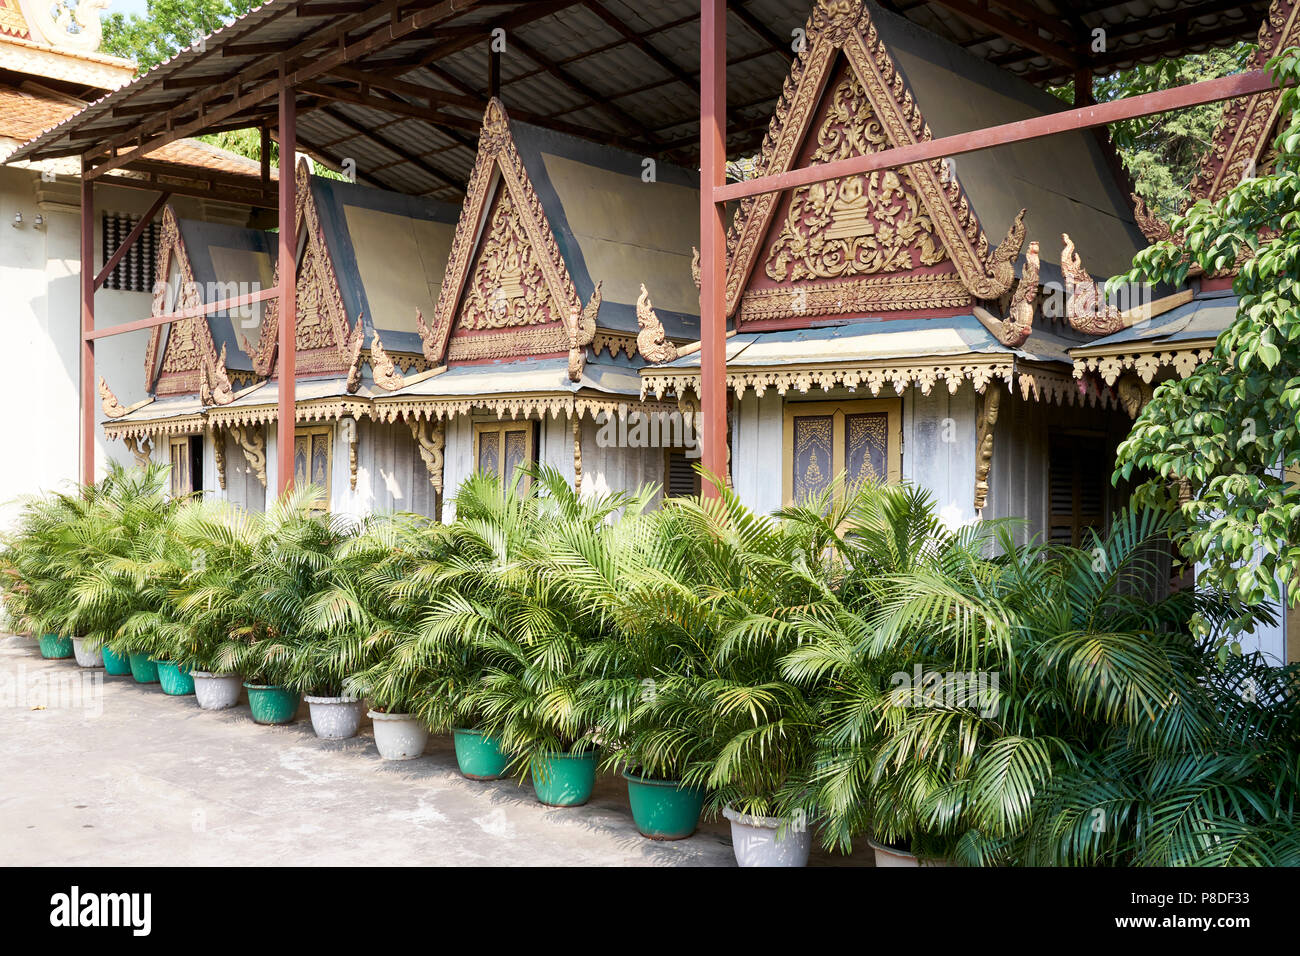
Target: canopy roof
(398, 86)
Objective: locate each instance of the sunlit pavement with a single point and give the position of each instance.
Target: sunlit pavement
(99, 770)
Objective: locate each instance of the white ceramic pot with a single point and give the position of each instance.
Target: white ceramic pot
(399, 736)
(215, 691)
(888, 856)
(86, 657)
(334, 718)
(761, 841)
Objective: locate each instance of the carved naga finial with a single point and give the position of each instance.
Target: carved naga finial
(1015, 328)
(1085, 307)
(1152, 226)
(587, 326)
(652, 342)
(214, 383)
(1000, 267)
(383, 368)
(112, 407)
(355, 341)
(427, 343)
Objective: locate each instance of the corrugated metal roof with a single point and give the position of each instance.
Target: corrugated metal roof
(625, 77)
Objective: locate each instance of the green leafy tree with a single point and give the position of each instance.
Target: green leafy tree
(1163, 152)
(167, 27)
(1230, 431)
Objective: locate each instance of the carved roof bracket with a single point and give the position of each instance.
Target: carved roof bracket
(1085, 305)
(652, 342)
(1015, 328)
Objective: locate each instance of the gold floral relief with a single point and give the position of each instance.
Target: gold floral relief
(859, 225)
(507, 287)
(814, 466)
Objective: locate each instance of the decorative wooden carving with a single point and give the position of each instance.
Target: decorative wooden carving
(844, 27)
(520, 297)
(587, 322)
(1243, 139)
(382, 368)
(190, 349)
(252, 441)
(214, 384)
(140, 448)
(577, 354)
(988, 418)
(1153, 227)
(350, 434)
(696, 268)
(1133, 394)
(112, 407)
(355, 341)
(1015, 328)
(859, 225)
(577, 453)
(1085, 306)
(219, 456)
(652, 342)
(431, 439)
(427, 344)
(321, 334)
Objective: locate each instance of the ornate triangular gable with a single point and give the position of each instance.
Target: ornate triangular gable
(325, 344)
(190, 363)
(1243, 140)
(898, 239)
(507, 292)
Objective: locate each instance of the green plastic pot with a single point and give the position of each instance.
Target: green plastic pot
(116, 664)
(55, 648)
(271, 704)
(175, 679)
(478, 755)
(144, 669)
(663, 809)
(563, 779)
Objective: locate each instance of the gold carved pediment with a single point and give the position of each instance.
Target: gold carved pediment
(507, 288)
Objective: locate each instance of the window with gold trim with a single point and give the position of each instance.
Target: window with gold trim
(312, 459)
(861, 440)
(502, 447)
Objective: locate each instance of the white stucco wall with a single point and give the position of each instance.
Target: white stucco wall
(39, 368)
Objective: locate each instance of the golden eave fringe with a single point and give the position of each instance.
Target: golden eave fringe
(432, 408)
(1034, 382)
(1110, 365)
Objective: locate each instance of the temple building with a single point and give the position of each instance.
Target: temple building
(432, 341)
(897, 324)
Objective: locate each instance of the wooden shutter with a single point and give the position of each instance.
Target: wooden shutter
(1077, 471)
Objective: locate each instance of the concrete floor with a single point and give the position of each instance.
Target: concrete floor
(98, 770)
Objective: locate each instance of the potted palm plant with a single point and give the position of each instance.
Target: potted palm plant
(39, 571)
(529, 637)
(276, 572)
(351, 620)
(645, 663)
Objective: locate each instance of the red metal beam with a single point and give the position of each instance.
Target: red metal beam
(288, 308)
(87, 325)
(131, 239)
(1086, 117)
(162, 318)
(713, 243)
